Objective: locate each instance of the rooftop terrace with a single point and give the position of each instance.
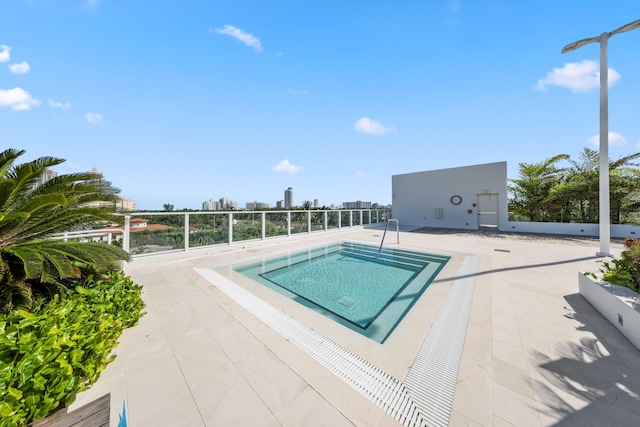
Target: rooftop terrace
(535, 352)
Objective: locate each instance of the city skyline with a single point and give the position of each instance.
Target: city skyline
(330, 98)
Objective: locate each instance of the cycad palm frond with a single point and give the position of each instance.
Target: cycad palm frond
(56, 259)
(32, 211)
(15, 295)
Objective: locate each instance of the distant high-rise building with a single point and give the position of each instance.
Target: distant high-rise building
(125, 205)
(280, 204)
(250, 206)
(47, 175)
(99, 179)
(211, 205)
(100, 182)
(224, 203)
(288, 198)
(316, 203)
(356, 205)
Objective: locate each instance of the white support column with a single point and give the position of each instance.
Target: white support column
(339, 219)
(309, 222)
(350, 218)
(230, 219)
(126, 238)
(605, 217)
(326, 220)
(288, 223)
(186, 232)
(264, 225)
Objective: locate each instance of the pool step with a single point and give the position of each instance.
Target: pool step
(383, 260)
(386, 257)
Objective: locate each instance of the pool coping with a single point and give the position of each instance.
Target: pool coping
(430, 380)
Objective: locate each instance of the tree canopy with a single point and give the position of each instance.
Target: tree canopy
(550, 191)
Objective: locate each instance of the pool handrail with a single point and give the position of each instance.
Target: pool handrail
(386, 225)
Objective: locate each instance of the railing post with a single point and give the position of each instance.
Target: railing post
(186, 232)
(361, 223)
(126, 241)
(350, 218)
(326, 220)
(288, 223)
(309, 222)
(339, 220)
(264, 224)
(230, 219)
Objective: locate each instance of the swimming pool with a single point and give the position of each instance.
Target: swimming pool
(352, 283)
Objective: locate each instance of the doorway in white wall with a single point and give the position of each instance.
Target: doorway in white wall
(488, 210)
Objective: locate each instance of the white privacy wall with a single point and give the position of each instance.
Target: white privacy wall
(417, 196)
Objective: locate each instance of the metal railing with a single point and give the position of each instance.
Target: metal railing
(149, 233)
(91, 235)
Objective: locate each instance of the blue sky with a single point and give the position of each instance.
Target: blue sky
(180, 102)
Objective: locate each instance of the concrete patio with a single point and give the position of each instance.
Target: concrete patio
(535, 352)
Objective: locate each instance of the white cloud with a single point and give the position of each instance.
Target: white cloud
(17, 99)
(21, 68)
(285, 166)
(577, 77)
(615, 140)
(94, 117)
(371, 127)
(298, 92)
(5, 53)
(238, 34)
(89, 4)
(61, 105)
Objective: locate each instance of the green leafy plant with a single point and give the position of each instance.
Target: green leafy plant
(33, 265)
(625, 270)
(49, 356)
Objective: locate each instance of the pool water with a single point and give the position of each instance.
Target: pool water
(352, 283)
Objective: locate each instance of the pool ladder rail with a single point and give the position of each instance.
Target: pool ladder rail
(385, 231)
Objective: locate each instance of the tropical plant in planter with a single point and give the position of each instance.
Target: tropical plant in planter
(33, 266)
(49, 352)
(625, 270)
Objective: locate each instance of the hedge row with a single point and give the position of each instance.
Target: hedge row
(47, 357)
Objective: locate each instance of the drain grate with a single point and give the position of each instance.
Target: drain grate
(431, 380)
(426, 396)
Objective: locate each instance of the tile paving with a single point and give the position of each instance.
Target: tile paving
(536, 353)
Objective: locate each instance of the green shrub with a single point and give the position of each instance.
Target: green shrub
(49, 356)
(624, 271)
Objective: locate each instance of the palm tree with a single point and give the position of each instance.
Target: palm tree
(531, 192)
(33, 266)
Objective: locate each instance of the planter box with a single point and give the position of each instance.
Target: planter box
(618, 304)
